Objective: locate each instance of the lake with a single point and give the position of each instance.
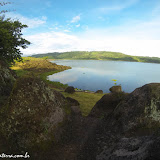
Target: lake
(96, 75)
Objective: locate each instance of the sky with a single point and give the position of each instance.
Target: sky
(128, 26)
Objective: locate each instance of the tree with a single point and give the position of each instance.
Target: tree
(11, 39)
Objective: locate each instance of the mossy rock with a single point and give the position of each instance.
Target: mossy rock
(33, 115)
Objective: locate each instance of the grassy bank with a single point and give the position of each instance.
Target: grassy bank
(41, 68)
(38, 67)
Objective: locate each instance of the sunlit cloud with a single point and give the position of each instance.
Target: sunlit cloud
(75, 19)
(49, 42)
(67, 30)
(78, 25)
(60, 42)
(30, 22)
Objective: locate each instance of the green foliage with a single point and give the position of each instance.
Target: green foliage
(98, 55)
(11, 40)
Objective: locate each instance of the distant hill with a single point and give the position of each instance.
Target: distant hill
(97, 55)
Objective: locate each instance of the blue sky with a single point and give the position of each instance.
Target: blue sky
(127, 26)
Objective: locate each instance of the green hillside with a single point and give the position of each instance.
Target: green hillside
(97, 55)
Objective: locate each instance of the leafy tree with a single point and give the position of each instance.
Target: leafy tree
(11, 38)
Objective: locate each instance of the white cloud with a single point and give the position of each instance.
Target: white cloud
(50, 42)
(75, 19)
(60, 42)
(56, 28)
(78, 25)
(67, 30)
(133, 38)
(31, 22)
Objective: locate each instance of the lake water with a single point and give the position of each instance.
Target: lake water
(96, 75)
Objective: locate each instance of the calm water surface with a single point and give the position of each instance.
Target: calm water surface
(97, 74)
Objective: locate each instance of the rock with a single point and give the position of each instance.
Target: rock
(7, 80)
(33, 116)
(107, 104)
(70, 89)
(140, 108)
(130, 130)
(72, 101)
(99, 91)
(115, 89)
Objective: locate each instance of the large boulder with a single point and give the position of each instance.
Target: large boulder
(33, 119)
(116, 89)
(70, 89)
(130, 131)
(141, 108)
(107, 104)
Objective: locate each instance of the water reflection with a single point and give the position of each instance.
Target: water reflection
(93, 74)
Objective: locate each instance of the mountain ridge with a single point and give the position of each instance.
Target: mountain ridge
(97, 55)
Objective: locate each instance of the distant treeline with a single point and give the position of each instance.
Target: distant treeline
(97, 55)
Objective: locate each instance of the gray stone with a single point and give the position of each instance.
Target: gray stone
(116, 89)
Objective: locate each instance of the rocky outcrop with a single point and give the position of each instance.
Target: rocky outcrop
(107, 104)
(141, 108)
(130, 131)
(34, 116)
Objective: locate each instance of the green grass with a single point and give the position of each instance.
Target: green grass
(39, 67)
(86, 100)
(21, 72)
